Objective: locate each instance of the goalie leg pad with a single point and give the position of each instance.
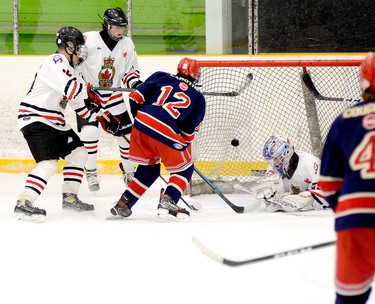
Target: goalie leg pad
(291, 203)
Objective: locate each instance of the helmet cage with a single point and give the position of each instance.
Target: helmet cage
(277, 151)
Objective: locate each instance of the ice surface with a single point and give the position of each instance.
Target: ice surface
(75, 258)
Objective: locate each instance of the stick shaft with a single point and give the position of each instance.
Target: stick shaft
(191, 207)
(237, 209)
(233, 263)
(229, 94)
(306, 78)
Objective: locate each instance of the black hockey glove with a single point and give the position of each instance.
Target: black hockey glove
(109, 123)
(116, 125)
(137, 84)
(90, 104)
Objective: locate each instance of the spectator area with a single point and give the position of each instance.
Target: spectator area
(159, 27)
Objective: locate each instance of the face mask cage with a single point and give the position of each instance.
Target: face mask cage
(83, 53)
(277, 152)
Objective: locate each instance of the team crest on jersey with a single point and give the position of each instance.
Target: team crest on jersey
(63, 102)
(57, 58)
(178, 146)
(183, 86)
(107, 73)
(368, 122)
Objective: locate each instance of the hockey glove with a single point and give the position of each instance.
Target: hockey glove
(137, 84)
(109, 123)
(136, 102)
(89, 103)
(116, 125)
(93, 95)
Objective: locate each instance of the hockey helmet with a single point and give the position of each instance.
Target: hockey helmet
(189, 68)
(278, 151)
(72, 39)
(114, 16)
(367, 79)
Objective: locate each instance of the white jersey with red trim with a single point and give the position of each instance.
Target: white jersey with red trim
(55, 85)
(305, 178)
(106, 68)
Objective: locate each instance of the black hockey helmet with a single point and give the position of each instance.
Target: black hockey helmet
(114, 16)
(70, 38)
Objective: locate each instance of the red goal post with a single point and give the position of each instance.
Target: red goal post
(250, 100)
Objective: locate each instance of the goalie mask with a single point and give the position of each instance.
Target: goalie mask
(189, 69)
(278, 151)
(72, 39)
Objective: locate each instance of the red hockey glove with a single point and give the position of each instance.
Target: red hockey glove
(93, 95)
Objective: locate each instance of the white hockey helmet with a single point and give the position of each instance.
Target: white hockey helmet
(278, 151)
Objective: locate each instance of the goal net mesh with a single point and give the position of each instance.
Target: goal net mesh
(249, 101)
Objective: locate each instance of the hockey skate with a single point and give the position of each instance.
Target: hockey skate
(122, 207)
(126, 176)
(167, 208)
(92, 180)
(72, 202)
(24, 210)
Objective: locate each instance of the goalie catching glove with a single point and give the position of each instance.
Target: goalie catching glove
(116, 125)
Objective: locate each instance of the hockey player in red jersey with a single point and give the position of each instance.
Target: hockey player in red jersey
(347, 177)
(168, 111)
(112, 61)
(41, 120)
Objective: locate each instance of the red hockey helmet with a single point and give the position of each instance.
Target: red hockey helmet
(189, 68)
(367, 80)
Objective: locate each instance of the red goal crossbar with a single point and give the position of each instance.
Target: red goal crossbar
(279, 63)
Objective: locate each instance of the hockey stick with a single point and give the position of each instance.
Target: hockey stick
(107, 119)
(237, 209)
(228, 262)
(306, 78)
(249, 77)
(195, 207)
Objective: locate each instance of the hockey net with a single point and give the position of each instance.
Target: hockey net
(248, 101)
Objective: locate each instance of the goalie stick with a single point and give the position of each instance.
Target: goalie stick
(306, 78)
(249, 78)
(237, 209)
(233, 263)
(195, 207)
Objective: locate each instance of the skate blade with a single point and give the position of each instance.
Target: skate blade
(74, 212)
(94, 188)
(115, 218)
(164, 214)
(36, 218)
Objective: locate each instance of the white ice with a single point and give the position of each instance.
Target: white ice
(85, 259)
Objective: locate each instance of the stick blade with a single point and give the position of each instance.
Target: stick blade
(207, 251)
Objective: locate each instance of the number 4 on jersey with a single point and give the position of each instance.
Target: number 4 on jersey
(363, 157)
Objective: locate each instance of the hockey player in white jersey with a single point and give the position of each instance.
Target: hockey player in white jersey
(41, 120)
(112, 62)
(291, 181)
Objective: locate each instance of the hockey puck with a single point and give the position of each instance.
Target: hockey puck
(235, 142)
